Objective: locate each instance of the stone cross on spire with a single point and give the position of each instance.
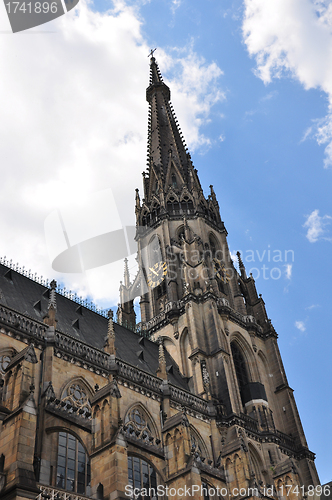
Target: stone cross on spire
(152, 51)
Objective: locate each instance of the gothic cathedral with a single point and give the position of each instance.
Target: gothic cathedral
(192, 402)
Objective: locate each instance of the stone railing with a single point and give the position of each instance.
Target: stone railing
(222, 303)
(50, 493)
(250, 423)
(84, 351)
(286, 441)
(147, 381)
(253, 426)
(170, 306)
(243, 320)
(188, 399)
(135, 375)
(22, 323)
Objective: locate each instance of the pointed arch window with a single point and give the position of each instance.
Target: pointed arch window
(213, 246)
(155, 212)
(173, 206)
(174, 181)
(186, 205)
(142, 475)
(240, 367)
(73, 465)
(209, 492)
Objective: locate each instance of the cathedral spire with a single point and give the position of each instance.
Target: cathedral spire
(168, 161)
(170, 182)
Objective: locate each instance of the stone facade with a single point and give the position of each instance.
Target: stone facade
(195, 400)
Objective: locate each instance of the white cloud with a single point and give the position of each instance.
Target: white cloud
(74, 121)
(269, 96)
(288, 271)
(313, 306)
(300, 326)
(175, 5)
(316, 226)
(194, 90)
(294, 38)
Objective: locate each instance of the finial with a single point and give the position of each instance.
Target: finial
(52, 301)
(137, 198)
(162, 360)
(110, 338)
(241, 266)
(49, 318)
(205, 377)
(126, 274)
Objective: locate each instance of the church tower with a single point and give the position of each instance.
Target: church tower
(210, 317)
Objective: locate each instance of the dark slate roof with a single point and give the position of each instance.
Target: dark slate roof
(30, 298)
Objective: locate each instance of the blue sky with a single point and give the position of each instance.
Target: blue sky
(251, 84)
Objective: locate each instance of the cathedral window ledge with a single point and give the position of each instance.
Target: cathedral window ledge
(253, 429)
(282, 387)
(4, 411)
(80, 421)
(140, 443)
(50, 493)
(211, 470)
